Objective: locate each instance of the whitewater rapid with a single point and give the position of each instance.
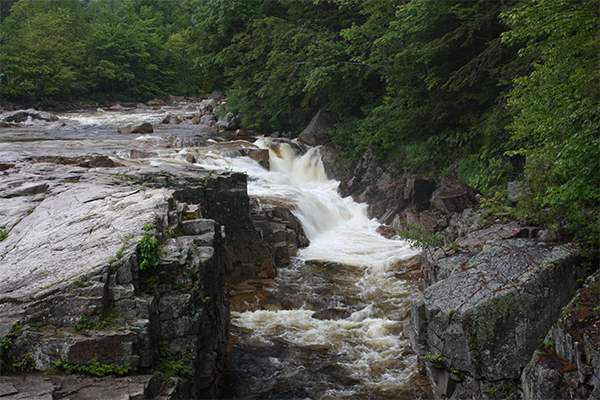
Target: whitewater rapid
(349, 267)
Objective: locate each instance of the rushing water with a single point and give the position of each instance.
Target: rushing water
(283, 352)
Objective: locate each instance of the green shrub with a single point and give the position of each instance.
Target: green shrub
(94, 368)
(148, 250)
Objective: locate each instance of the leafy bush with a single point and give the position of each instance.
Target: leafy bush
(148, 250)
(94, 368)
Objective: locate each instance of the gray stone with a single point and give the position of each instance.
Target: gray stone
(317, 131)
(197, 227)
(229, 122)
(486, 320)
(48, 387)
(20, 116)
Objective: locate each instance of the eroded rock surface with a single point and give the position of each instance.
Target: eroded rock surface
(74, 289)
(477, 327)
(567, 363)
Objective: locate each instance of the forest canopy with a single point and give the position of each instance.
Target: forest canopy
(490, 91)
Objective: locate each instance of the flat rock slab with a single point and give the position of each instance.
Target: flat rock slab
(69, 230)
(75, 387)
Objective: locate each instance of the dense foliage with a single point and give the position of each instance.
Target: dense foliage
(487, 90)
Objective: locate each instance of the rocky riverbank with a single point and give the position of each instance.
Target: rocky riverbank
(109, 269)
(487, 325)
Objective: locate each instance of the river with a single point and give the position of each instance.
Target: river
(282, 352)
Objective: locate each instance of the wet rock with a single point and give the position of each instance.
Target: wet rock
(78, 387)
(279, 227)
(209, 119)
(488, 316)
(332, 314)
(137, 154)
(229, 122)
(88, 161)
(386, 231)
(21, 116)
(261, 156)
(141, 128)
(316, 133)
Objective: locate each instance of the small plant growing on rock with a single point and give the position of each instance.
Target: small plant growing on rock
(8, 340)
(25, 364)
(169, 367)
(3, 234)
(148, 250)
(418, 236)
(84, 323)
(94, 368)
(207, 177)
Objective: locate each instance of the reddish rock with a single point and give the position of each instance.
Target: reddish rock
(453, 196)
(88, 161)
(386, 231)
(261, 156)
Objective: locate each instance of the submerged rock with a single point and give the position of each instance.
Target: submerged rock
(140, 128)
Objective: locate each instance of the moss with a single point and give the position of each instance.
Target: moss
(486, 320)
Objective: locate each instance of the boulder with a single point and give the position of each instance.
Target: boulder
(261, 156)
(316, 133)
(24, 115)
(453, 196)
(140, 128)
(229, 122)
(171, 119)
(207, 105)
(483, 322)
(208, 119)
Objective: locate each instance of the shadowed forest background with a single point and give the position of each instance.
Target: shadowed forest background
(488, 91)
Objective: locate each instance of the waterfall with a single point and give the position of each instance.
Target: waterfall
(348, 268)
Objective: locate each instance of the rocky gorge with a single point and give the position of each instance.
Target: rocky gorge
(110, 269)
(497, 317)
(119, 266)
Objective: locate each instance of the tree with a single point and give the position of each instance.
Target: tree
(41, 49)
(443, 64)
(556, 110)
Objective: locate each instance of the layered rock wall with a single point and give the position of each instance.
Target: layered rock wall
(81, 287)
